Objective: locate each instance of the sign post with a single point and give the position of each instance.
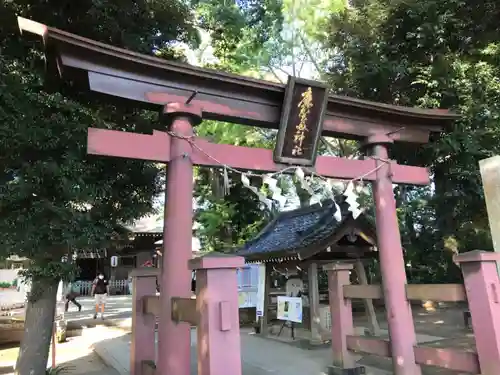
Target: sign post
(490, 174)
(261, 286)
(289, 309)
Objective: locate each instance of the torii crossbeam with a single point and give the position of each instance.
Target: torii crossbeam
(156, 147)
(149, 82)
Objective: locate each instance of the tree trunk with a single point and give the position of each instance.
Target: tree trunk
(40, 310)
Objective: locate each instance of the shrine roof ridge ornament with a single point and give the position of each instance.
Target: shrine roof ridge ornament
(150, 81)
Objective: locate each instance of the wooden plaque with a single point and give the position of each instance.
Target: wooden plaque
(301, 122)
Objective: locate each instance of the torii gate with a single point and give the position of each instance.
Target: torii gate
(186, 95)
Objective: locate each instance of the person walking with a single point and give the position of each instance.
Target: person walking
(130, 285)
(71, 295)
(100, 290)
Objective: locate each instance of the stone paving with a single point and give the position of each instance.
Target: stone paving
(117, 308)
(259, 357)
(76, 355)
(262, 356)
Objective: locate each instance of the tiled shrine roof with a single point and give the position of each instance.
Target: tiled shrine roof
(305, 232)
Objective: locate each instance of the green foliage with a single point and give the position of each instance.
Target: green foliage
(435, 54)
(138, 25)
(239, 30)
(227, 219)
(262, 39)
(5, 284)
(53, 196)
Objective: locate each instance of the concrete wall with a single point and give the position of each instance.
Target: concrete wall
(8, 275)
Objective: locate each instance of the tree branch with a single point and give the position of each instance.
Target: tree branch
(342, 148)
(327, 145)
(271, 69)
(309, 53)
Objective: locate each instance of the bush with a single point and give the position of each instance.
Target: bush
(5, 284)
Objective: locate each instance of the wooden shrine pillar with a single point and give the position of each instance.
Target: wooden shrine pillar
(142, 344)
(216, 307)
(315, 319)
(264, 320)
(174, 339)
(368, 302)
(481, 285)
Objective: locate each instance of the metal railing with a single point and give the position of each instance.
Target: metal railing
(83, 288)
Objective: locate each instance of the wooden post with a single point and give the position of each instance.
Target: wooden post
(142, 346)
(483, 294)
(174, 340)
(54, 346)
(264, 330)
(315, 320)
(341, 319)
(369, 309)
(219, 345)
(490, 174)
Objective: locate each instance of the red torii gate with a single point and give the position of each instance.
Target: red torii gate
(150, 82)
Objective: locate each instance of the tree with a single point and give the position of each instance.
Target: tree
(434, 54)
(266, 39)
(53, 197)
(229, 218)
(228, 215)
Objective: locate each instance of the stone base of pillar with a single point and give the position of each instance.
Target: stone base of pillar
(334, 370)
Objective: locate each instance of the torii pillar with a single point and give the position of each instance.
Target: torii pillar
(174, 339)
(392, 265)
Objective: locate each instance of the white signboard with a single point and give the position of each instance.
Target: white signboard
(261, 286)
(114, 261)
(290, 309)
(247, 286)
(246, 299)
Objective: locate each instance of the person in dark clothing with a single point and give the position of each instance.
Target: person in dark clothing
(100, 290)
(193, 282)
(71, 297)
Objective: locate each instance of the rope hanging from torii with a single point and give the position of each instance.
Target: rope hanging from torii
(325, 187)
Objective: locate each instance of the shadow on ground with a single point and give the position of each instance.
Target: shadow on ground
(89, 364)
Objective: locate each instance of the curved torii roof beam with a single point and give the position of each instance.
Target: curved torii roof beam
(151, 82)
